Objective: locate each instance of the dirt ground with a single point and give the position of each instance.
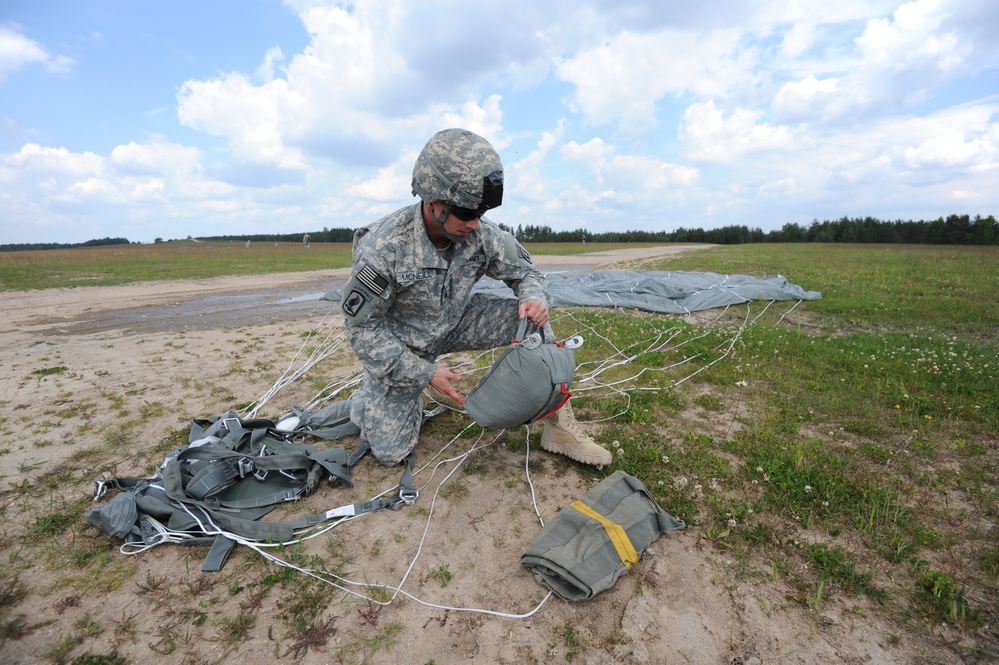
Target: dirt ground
(145, 359)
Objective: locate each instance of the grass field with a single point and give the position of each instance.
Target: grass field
(123, 264)
(844, 448)
(853, 452)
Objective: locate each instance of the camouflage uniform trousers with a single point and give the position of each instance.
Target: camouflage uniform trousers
(390, 418)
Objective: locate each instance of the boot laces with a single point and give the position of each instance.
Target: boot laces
(567, 422)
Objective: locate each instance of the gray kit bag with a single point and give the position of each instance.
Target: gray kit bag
(593, 542)
(529, 381)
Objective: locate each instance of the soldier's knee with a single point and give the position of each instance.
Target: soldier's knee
(389, 456)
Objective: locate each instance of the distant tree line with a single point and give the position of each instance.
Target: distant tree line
(58, 245)
(952, 230)
(326, 235)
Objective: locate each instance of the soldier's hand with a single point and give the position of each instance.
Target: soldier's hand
(535, 312)
(444, 380)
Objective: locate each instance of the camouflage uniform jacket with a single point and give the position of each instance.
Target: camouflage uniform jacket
(403, 298)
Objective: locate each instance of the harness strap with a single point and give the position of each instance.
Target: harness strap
(213, 478)
(190, 483)
(405, 493)
(217, 556)
(547, 333)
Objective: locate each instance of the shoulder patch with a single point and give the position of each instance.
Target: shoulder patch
(354, 301)
(514, 253)
(371, 279)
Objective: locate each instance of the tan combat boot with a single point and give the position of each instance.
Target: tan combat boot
(563, 435)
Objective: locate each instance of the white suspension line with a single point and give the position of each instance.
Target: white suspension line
(663, 341)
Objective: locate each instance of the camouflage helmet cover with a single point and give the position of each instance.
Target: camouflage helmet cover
(460, 168)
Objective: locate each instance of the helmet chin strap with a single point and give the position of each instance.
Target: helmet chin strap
(445, 211)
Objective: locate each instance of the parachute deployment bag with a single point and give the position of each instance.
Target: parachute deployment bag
(593, 542)
(529, 381)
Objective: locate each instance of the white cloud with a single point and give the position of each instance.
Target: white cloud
(528, 180)
(621, 80)
(156, 158)
(373, 76)
(962, 138)
(485, 120)
(158, 181)
(781, 186)
(630, 177)
(251, 117)
(801, 100)
(710, 137)
(593, 154)
(650, 174)
(389, 184)
(798, 39)
(17, 50)
(60, 64)
(902, 61)
(325, 105)
(891, 168)
(265, 71)
(575, 207)
(150, 190)
(33, 160)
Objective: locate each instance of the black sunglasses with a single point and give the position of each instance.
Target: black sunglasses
(468, 214)
(492, 197)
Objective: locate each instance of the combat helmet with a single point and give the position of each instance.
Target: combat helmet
(461, 169)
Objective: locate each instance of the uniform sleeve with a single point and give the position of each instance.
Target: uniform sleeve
(367, 297)
(514, 266)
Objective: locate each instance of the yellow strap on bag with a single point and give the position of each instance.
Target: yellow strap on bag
(618, 536)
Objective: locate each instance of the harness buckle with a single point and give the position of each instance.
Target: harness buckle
(407, 497)
(101, 489)
(231, 423)
(532, 341)
(245, 466)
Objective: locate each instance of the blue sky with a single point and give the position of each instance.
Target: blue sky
(162, 120)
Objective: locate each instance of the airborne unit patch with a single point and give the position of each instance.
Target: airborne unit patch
(353, 302)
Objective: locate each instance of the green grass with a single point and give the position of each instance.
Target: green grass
(898, 287)
(854, 441)
(124, 264)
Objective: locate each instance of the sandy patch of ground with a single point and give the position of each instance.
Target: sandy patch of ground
(140, 361)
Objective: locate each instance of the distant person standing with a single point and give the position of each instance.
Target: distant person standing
(306, 241)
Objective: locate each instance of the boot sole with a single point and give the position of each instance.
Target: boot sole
(573, 454)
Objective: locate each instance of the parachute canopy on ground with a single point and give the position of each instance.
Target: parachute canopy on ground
(674, 292)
